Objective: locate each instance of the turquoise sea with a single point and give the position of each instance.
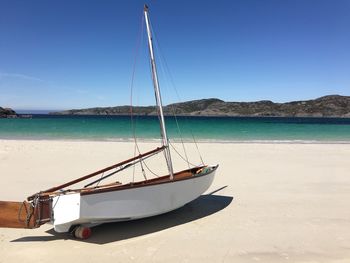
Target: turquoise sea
(203, 128)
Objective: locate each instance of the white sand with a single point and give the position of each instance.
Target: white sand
(280, 203)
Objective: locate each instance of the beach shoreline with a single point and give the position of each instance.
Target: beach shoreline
(269, 202)
(177, 140)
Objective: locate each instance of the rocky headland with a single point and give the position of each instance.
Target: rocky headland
(7, 113)
(327, 106)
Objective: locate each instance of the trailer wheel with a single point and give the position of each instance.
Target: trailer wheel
(82, 232)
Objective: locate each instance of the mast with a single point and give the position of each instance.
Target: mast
(165, 141)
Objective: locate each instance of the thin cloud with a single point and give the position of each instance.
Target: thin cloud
(4, 75)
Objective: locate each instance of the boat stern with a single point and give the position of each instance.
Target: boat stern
(66, 210)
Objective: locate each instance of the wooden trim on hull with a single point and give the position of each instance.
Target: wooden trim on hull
(179, 176)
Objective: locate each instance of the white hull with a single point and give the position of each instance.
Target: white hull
(127, 204)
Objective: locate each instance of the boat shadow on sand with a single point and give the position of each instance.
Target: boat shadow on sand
(203, 206)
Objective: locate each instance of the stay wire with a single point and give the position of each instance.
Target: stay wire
(189, 163)
(133, 122)
(173, 109)
(158, 110)
(179, 99)
(138, 45)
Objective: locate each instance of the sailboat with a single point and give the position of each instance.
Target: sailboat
(77, 210)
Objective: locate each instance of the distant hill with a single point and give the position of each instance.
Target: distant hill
(7, 113)
(327, 106)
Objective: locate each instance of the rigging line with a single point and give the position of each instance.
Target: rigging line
(133, 122)
(138, 45)
(156, 107)
(177, 94)
(149, 169)
(143, 161)
(134, 166)
(121, 168)
(143, 171)
(189, 163)
(172, 107)
(100, 179)
(195, 143)
(166, 71)
(159, 102)
(182, 142)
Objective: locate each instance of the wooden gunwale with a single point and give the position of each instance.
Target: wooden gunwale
(157, 181)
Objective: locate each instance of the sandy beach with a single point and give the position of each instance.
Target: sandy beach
(268, 203)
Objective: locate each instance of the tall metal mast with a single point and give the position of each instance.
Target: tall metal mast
(165, 141)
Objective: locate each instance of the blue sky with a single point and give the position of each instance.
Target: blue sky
(76, 54)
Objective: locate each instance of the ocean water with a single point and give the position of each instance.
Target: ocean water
(202, 128)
